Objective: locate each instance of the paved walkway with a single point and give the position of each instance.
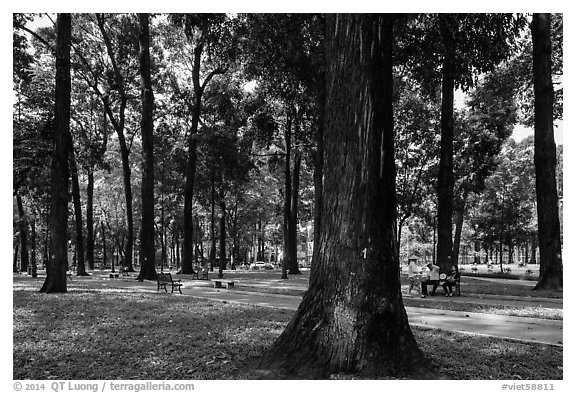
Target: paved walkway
(543, 331)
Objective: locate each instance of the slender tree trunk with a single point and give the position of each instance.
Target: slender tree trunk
(212, 255)
(56, 268)
(104, 253)
(318, 171)
(127, 175)
(118, 125)
(15, 260)
(90, 219)
(434, 243)
(352, 318)
(460, 209)
(293, 230)
(446, 168)
(23, 226)
(33, 261)
(222, 262)
(287, 195)
(147, 245)
(551, 269)
(77, 202)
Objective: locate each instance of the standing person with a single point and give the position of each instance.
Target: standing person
(433, 279)
(413, 273)
(451, 278)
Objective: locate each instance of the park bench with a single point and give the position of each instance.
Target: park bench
(218, 284)
(165, 279)
(456, 286)
(201, 274)
(124, 271)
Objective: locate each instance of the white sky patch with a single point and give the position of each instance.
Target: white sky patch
(250, 86)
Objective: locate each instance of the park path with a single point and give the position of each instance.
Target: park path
(543, 331)
(535, 330)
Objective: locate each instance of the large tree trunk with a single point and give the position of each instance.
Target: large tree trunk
(23, 226)
(545, 158)
(90, 219)
(147, 248)
(352, 318)
(56, 268)
(77, 202)
(446, 168)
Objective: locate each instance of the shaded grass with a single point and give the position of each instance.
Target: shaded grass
(91, 334)
(470, 284)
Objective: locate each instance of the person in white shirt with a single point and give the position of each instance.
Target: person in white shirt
(433, 279)
(413, 272)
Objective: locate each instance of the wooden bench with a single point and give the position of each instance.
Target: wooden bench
(164, 279)
(218, 284)
(201, 274)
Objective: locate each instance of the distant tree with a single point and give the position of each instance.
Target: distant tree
(450, 51)
(416, 151)
(295, 77)
(147, 248)
(352, 318)
(545, 157)
(203, 32)
(480, 132)
(56, 267)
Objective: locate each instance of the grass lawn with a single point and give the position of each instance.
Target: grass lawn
(296, 285)
(93, 333)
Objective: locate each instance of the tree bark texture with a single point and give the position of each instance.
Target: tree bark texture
(352, 318)
(147, 245)
(551, 269)
(56, 267)
(446, 168)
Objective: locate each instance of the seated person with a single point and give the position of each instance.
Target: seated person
(451, 278)
(433, 279)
